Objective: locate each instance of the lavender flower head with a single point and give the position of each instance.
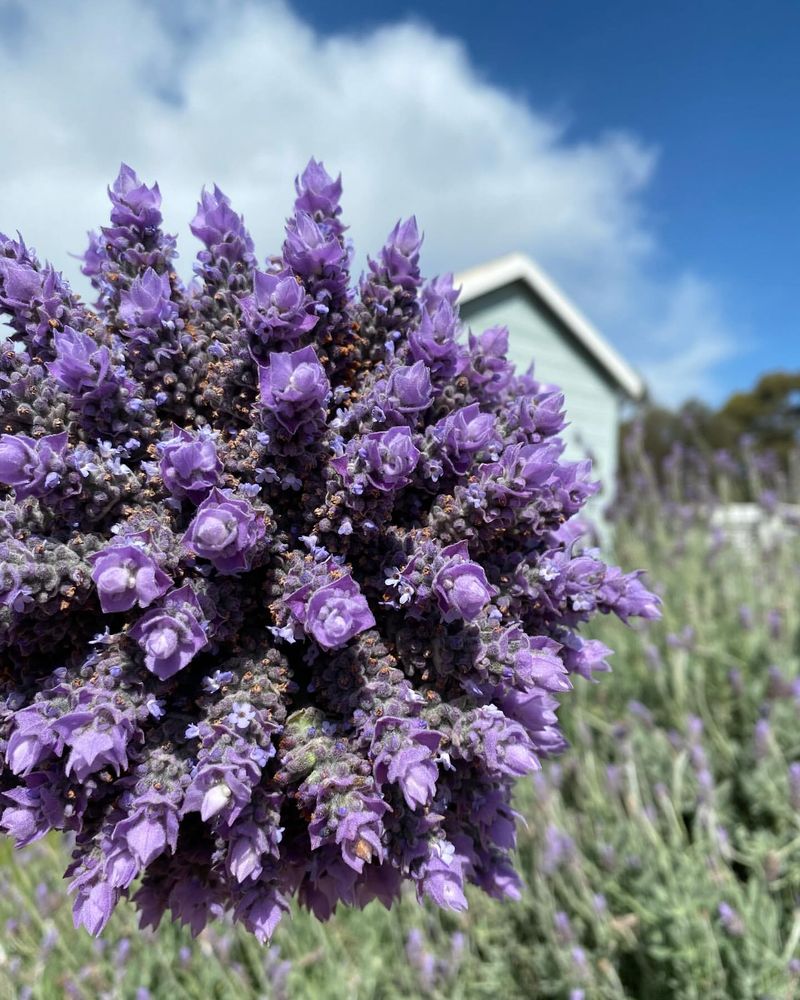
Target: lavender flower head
(409, 388)
(218, 226)
(333, 613)
(461, 587)
(134, 203)
(318, 194)
(81, 363)
(381, 461)
(390, 457)
(289, 588)
(278, 311)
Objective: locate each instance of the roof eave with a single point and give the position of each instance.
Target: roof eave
(485, 278)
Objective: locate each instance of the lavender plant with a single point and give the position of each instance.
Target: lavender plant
(288, 584)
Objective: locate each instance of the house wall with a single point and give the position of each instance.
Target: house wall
(593, 402)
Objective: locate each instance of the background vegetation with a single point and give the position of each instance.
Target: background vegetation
(764, 420)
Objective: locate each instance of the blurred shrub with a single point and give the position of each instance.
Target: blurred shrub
(763, 421)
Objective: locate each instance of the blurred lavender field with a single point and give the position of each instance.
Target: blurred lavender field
(662, 855)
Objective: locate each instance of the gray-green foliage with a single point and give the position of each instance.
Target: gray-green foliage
(662, 854)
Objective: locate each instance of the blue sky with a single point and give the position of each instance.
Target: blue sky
(714, 85)
(645, 154)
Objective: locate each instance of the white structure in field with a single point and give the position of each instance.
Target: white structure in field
(546, 328)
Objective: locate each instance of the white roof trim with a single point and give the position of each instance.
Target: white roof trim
(495, 274)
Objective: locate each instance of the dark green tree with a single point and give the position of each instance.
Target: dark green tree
(769, 413)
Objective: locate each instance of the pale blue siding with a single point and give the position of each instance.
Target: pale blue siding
(593, 401)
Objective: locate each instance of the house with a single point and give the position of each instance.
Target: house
(546, 328)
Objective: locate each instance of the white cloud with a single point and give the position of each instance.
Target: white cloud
(682, 356)
(251, 91)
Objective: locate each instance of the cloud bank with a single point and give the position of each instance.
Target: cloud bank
(243, 92)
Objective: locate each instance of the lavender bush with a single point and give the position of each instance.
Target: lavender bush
(288, 581)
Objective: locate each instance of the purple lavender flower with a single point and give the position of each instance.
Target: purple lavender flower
(336, 612)
(318, 193)
(409, 388)
(310, 249)
(359, 835)
(279, 308)
(225, 531)
(389, 458)
(220, 228)
(434, 342)
(464, 434)
(148, 306)
(629, 598)
(94, 906)
(443, 881)
(81, 363)
(22, 284)
(97, 736)
(134, 203)
(171, 635)
(400, 256)
(189, 466)
(15, 593)
(404, 756)
(219, 678)
(150, 829)
(489, 365)
(227, 773)
(460, 586)
(437, 290)
(33, 468)
(507, 748)
(126, 574)
(293, 386)
(241, 715)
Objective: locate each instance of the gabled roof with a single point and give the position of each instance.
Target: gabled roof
(495, 274)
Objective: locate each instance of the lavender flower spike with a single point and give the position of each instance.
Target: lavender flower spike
(333, 613)
(148, 306)
(294, 386)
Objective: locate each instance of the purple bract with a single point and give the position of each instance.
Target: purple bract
(189, 465)
(225, 531)
(125, 574)
(171, 634)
